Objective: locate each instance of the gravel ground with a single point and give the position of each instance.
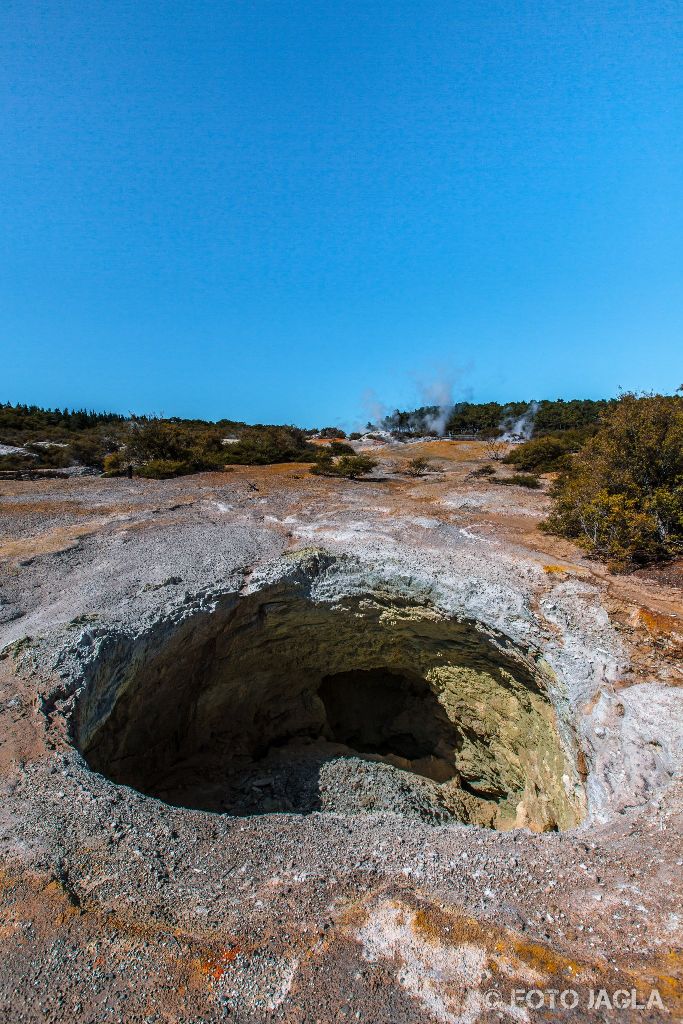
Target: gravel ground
(119, 907)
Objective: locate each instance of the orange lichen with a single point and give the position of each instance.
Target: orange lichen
(659, 622)
(543, 960)
(450, 929)
(512, 958)
(215, 963)
(665, 976)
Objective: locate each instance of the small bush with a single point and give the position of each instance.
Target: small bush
(114, 464)
(91, 450)
(495, 448)
(418, 466)
(164, 469)
(481, 472)
(542, 454)
(355, 436)
(521, 480)
(261, 446)
(15, 461)
(203, 461)
(353, 466)
(49, 457)
(332, 432)
(339, 448)
(348, 466)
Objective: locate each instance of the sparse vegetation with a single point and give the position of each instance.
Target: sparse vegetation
(418, 466)
(495, 449)
(481, 472)
(114, 464)
(622, 496)
(520, 480)
(56, 438)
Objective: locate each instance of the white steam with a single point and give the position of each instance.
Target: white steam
(522, 428)
(374, 407)
(436, 395)
(440, 394)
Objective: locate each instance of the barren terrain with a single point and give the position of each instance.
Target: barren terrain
(158, 642)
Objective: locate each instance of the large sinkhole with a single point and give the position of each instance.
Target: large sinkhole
(276, 702)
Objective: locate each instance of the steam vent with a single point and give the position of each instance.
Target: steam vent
(275, 702)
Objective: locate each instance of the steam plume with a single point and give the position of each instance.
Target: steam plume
(522, 428)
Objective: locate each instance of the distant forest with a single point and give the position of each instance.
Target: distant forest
(26, 420)
(155, 446)
(490, 419)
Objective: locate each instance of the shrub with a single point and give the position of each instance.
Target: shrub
(16, 461)
(495, 448)
(418, 466)
(481, 471)
(542, 454)
(92, 449)
(259, 446)
(151, 439)
(348, 466)
(339, 448)
(115, 464)
(332, 432)
(622, 496)
(164, 469)
(324, 462)
(521, 480)
(202, 462)
(49, 456)
(353, 466)
(355, 436)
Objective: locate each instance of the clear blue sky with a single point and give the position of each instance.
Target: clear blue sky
(262, 209)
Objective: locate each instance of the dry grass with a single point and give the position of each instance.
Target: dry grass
(452, 451)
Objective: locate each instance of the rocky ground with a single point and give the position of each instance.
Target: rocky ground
(120, 907)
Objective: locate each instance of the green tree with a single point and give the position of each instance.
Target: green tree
(622, 497)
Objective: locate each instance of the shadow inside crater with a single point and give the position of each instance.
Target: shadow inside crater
(373, 717)
(278, 703)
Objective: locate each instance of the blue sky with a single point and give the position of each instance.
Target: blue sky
(266, 210)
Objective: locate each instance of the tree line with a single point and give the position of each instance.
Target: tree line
(489, 419)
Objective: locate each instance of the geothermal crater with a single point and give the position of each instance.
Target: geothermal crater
(275, 702)
(387, 658)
